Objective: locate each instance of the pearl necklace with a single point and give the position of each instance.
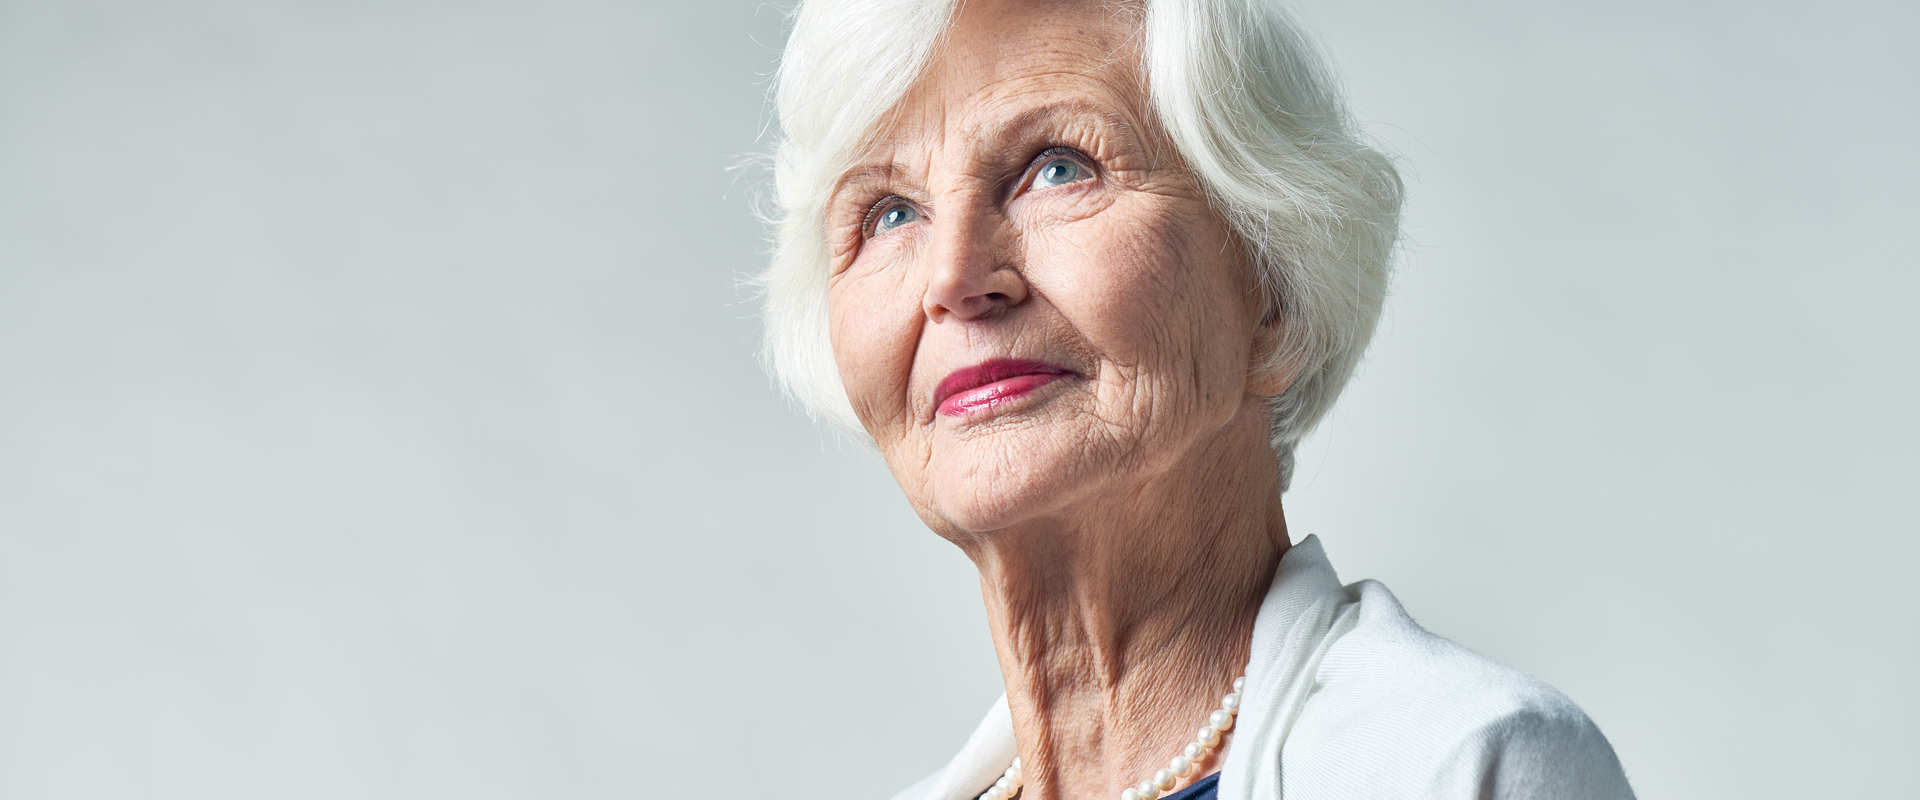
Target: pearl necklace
(1188, 762)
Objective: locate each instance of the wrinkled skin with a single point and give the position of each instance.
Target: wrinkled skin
(1126, 517)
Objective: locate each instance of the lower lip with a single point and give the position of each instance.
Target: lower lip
(993, 394)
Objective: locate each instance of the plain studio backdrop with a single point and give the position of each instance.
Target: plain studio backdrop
(379, 415)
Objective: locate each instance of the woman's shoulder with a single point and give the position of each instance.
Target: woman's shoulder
(1438, 720)
(1387, 659)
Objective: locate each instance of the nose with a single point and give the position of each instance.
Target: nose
(971, 277)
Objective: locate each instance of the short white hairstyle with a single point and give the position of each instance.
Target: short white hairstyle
(1242, 94)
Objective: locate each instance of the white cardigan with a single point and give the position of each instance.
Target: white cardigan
(1347, 697)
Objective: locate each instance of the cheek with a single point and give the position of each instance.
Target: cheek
(1150, 284)
(872, 322)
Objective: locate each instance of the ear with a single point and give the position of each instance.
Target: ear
(1264, 377)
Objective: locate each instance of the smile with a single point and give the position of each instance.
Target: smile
(991, 383)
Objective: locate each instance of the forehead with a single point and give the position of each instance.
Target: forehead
(1006, 59)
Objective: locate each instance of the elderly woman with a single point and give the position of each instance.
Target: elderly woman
(1084, 273)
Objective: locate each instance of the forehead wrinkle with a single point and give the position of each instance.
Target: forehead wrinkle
(920, 122)
(888, 142)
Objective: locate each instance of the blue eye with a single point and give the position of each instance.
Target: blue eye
(1059, 171)
(894, 216)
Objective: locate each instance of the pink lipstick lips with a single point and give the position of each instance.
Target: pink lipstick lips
(992, 382)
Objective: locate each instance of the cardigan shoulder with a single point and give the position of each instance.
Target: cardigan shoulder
(1397, 711)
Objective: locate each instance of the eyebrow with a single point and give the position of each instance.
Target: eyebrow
(1000, 136)
(881, 174)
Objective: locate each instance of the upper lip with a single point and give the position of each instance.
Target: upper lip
(985, 372)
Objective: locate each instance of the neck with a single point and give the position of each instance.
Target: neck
(1119, 625)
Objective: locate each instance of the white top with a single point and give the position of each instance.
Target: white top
(1347, 697)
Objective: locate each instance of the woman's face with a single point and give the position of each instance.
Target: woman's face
(1033, 305)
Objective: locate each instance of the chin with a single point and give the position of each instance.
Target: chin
(1001, 488)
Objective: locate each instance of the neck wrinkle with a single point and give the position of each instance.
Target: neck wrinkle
(1118, 629)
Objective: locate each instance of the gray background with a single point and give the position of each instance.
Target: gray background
(379, 418)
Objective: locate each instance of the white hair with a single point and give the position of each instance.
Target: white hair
(1241, 93)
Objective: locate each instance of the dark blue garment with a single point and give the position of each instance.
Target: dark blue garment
(1207, 788)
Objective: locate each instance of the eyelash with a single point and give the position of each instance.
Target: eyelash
(1026, 179)
(1051, 153)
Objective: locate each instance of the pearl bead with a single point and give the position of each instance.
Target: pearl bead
(1007, 786)
(1163, 781)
